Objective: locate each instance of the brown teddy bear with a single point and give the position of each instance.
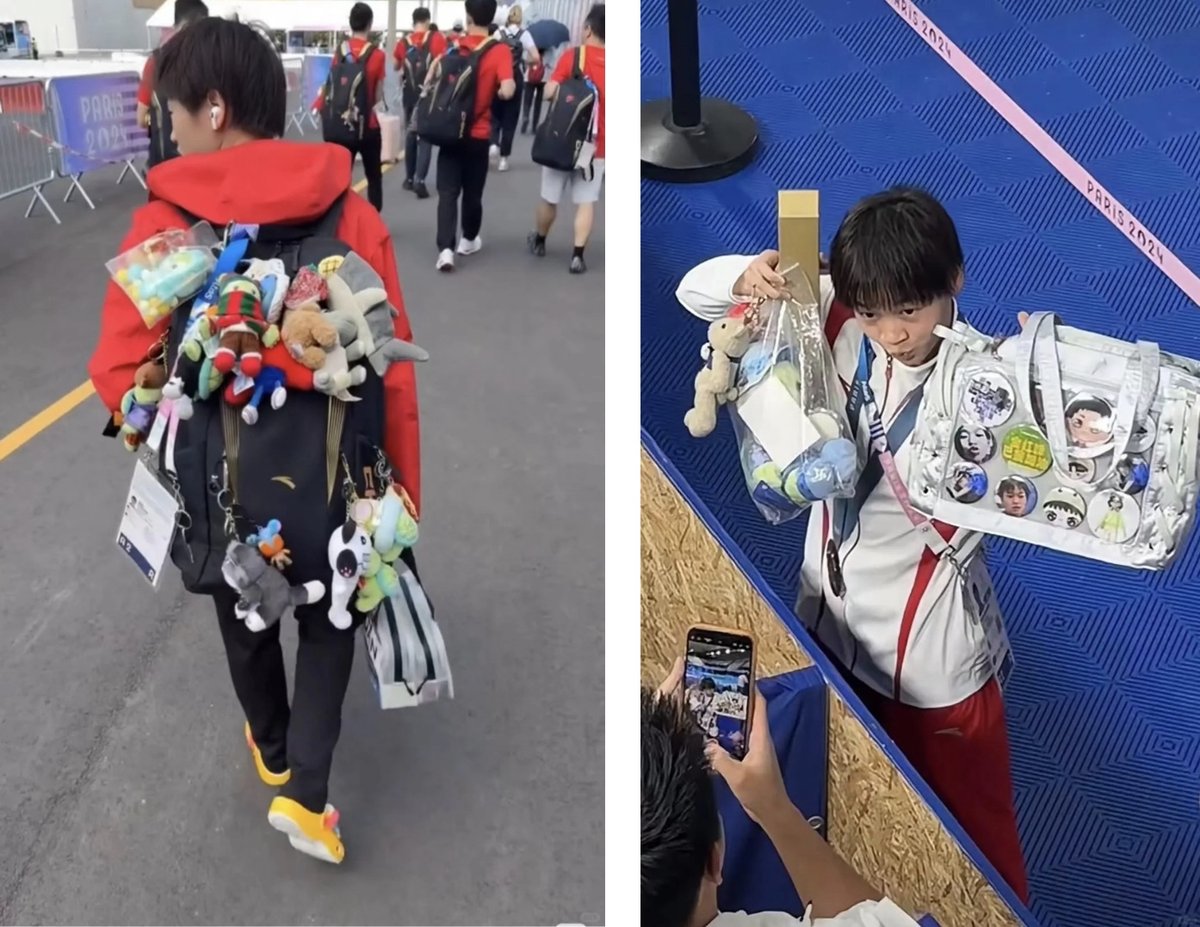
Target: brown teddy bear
(728, 340)
(139, 406)
(308, 335)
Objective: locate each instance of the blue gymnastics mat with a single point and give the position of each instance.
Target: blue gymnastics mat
(1104, 708)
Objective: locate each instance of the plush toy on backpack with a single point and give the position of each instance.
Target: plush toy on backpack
(139, 406)
(239, 320)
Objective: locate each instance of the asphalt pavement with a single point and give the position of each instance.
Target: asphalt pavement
(127, 795)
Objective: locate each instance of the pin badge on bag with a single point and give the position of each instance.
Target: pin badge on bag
(1113, 516)
(1016, 496)
(974, 443)
(1089, 424)
(989, 399)
(1064, 507)
(1026, 451)
(967, 483)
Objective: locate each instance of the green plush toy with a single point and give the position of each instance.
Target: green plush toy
(378, 582)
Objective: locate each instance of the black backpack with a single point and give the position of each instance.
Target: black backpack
(161, 147)
(347, 104)
(291, 465)
(568, 123)
(447, 105)
(518, 51)
(416, 69)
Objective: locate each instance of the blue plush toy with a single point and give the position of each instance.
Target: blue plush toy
(271, 380)
(825, 469)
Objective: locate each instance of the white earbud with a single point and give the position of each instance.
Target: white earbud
(215, 116)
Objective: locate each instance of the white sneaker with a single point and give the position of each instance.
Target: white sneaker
(503, 166)
(445, 261)
(470, 246)
(494, 151)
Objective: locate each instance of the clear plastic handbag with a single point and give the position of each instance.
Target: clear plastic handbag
(1061, 438)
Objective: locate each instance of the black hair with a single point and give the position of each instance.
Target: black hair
(707, 683)
(493, 28)
(481, 12)
(233, 60)
(1010, 485)
(895, 250)
(1116, 502)
(1088, 404)
(433, 27)
(421, 15)
(361, 17)
(1059, 505)
(595, 21)
(189, 11)
(680, 823)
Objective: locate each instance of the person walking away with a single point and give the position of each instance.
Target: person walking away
(535, 89)
(456, 34)
(462, 168)
(585, 185)
(507, 113)
(348, 100)
(414, 54)
(152, 112)
(903, 604)
(226, 90)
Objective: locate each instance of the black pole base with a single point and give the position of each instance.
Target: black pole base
(723, 143)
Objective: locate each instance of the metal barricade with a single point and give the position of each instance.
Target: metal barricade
(26, 143)
(95, 121)
(313, 74)
(292, 69)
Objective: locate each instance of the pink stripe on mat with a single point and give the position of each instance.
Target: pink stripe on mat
(1108, 205)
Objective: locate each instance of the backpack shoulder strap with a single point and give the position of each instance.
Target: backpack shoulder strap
(580, 54)
(324, 226)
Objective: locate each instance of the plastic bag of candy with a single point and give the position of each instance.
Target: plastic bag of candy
(796, 447)
(166, 270)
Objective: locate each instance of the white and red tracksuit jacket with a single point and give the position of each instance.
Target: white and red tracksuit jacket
(901, 627)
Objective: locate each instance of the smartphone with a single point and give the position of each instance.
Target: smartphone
(718, 684)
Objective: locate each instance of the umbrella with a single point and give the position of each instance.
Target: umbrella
(549, 33)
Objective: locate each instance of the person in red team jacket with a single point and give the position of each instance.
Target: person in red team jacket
(226, 89)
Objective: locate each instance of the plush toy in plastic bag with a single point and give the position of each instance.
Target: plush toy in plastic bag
(796, 447)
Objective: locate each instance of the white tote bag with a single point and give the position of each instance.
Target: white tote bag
(1061, 438)
(408, 660)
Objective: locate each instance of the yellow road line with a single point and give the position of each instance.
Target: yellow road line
(22, 434)
(27, 431)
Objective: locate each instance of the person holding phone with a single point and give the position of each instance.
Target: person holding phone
(683, 846)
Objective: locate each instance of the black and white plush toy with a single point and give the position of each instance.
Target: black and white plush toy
(265, 595)
(350, 557)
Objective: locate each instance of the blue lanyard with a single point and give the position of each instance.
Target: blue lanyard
(232, 254)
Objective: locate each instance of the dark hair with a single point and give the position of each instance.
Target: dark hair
(189, 11)
(421, 15)
(1088, 404)
(481, 12)
(235, 61)
(361, 17)
(680, 823)
(1010, 485)
(895, 250)
(433, 27)
(595, 21)
(493, 28)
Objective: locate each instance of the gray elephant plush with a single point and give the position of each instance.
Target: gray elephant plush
(360, 310)
(265, 595)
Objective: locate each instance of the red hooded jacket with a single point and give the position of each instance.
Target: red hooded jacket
(260, 183)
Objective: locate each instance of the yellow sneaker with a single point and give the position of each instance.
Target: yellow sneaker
(309, 832)
(270, 778)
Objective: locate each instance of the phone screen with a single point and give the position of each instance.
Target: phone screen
(717, 677)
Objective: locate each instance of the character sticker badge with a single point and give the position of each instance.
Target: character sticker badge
(974, 443)
(989, 399)
(1089, 424)
(1016, 496)
(1064, 507)
(1131, 474)
(1081, 469)
(1026, 451)
(1113, 516)
(966, 483)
